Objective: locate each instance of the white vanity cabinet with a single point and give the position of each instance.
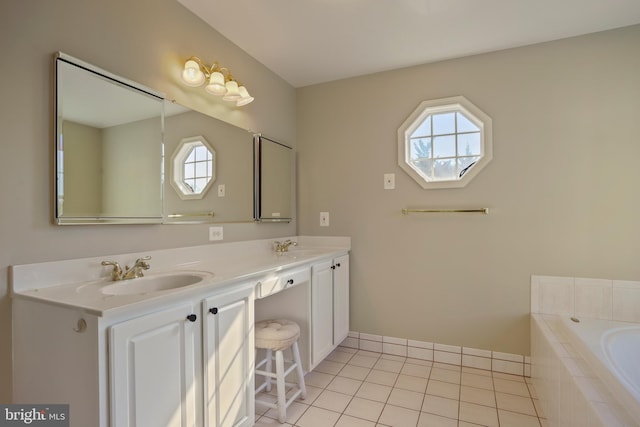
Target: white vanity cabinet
(329, 306)
(228, 344)
(170, 367)
(154, 369)
(186, 364)
(177, 357)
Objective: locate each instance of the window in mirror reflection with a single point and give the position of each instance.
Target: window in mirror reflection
(193, 168)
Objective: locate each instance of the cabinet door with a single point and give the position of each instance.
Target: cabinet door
(321, 311)
(340, 299)
(153, 370)
(228, 352)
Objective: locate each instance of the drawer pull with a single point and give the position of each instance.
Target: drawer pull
(192, 317)
(290, 282)
(213, 310)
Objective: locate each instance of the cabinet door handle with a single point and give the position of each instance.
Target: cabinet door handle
(290, 282)
(192, 317)
(333, 267)
(337, 264)
(213, 310)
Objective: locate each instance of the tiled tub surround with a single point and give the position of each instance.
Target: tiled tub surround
(507, 363)
(573, 385)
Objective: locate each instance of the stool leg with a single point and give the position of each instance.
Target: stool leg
(268, 369)
(296, 359)
(280, 385)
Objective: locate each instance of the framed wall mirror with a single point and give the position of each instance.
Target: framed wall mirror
(108, 145)
(273, 180)
(114, 141)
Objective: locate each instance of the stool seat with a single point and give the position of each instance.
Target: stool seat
(277, 334)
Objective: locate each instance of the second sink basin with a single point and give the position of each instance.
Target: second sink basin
(147, 284)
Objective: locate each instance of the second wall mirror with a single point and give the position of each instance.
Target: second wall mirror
(273, 180)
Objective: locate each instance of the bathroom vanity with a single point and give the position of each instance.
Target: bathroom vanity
(176, 347)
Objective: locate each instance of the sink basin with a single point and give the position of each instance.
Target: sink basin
(147, 284)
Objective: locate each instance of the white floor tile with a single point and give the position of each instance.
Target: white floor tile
(389, 365)
(358, 388)
(382, 377)
(406, 399)
(511, 419)
(354, 372)
(478, 395)
(513, 403)
(365, 409)
(441, 406)
(478, 414)
(412, 383)
(377, 392)
(431, 420)
(345, 385)
(399, 417)
(332, 400)
(439, 388)
(347, 421)
(318, 417)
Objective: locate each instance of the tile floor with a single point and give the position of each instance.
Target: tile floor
(356, 388)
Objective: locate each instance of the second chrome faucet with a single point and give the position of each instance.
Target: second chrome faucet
(280, 247)
(128, 273)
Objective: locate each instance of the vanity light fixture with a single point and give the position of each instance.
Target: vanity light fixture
(219, 80)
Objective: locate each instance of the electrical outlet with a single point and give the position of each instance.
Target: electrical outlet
(221, 190)
(215, 233)
(389, 181)
(324, 219)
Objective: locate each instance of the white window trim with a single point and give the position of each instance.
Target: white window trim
(434, 106)
(177, 161)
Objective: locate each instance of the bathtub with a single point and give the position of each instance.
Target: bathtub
(586, 371)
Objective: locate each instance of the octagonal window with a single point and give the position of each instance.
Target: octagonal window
(444, 143)
(193, 168)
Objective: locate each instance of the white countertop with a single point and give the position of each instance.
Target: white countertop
(79, 283)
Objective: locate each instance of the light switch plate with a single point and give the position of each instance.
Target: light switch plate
(215, 233)
(389, 181)
(221, 190)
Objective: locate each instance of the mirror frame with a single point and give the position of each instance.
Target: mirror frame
(57, 128)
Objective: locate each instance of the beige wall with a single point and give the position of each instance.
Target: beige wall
(132, 167)
(82, 169)
(562, 187)
(145, 41)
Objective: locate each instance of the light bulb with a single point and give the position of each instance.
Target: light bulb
(216, 84)
(245, 97)
(192, 75)
(232, 91)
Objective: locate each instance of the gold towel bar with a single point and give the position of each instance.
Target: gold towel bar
(176, 215)
(406, 211)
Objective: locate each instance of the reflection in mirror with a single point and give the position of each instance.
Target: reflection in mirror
(193, 167)
(230, 196)
(109, 154)
(274, 178)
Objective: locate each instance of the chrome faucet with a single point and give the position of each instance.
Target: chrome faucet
(128, 273)
(280, 247)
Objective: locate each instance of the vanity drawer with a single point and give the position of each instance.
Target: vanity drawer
(283, 280)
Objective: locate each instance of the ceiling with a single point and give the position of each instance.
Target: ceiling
(314, 41)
